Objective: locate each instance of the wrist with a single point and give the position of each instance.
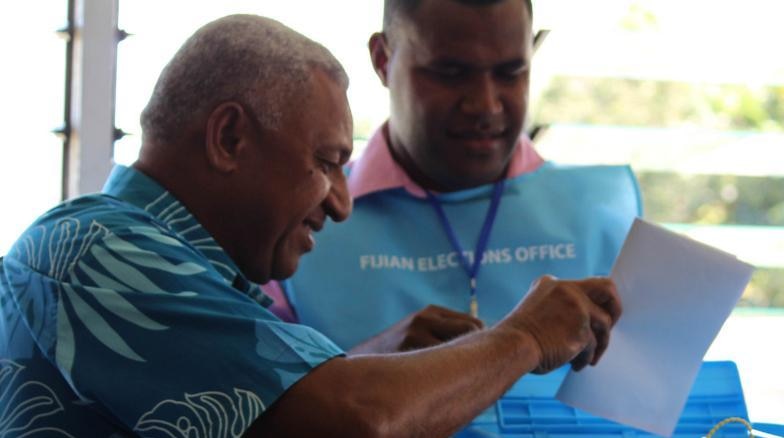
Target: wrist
(528, 351)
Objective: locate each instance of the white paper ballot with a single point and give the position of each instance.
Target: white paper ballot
(676, 294)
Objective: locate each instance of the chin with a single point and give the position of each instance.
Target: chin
(284, 270)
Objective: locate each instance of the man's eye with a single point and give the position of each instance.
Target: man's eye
(327, 165)
(446, 71)
(511, 73)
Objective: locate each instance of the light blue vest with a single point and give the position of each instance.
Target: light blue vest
(392, 256)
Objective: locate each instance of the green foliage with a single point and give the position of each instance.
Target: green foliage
(671, 197)
(639, 18)
(766, 289)
(612, 101)
(740, 107)
(713, 199)
(721, 200)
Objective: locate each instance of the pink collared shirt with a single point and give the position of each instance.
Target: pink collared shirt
(376, 170)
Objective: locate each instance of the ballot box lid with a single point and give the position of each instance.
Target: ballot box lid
(529, 410)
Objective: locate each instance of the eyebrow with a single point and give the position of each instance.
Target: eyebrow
(450, 62)
(454, 62)
(515, 64)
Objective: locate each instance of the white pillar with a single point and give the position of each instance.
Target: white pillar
(89, 158)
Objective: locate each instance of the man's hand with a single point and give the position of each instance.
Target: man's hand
(558, 322)
(427, 327)
(569, 320)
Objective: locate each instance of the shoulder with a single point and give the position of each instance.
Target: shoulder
(63, 236)
(551, 167)
(101, 208)
(601, 184)
(621, 177)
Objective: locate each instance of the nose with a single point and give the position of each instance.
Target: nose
(482, 97)
(338, 202)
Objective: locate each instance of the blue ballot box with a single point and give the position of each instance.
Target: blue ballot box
(529, 410)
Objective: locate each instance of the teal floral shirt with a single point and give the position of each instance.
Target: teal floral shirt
(121, 316)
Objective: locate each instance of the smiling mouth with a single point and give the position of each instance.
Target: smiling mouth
(309, 240)
(478, 135)
(312, 227)
(481, 142)
(490, 136)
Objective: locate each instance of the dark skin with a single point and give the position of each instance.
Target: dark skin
(431, 392)
(458, 79)
(261, 193)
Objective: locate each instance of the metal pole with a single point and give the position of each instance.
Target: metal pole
(91, 77)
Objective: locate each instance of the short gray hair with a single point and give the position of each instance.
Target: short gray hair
(254, 60)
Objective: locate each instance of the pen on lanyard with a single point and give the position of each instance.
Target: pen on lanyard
(474, 305)
(472, 269)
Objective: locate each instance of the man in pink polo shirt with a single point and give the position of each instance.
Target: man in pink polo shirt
(455, 213)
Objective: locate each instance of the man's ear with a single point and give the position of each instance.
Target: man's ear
(229, 130)
(379, 55)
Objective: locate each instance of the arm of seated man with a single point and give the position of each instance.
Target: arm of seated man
(435, 391)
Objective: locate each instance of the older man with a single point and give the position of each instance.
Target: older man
(135, 311)
(454, 211)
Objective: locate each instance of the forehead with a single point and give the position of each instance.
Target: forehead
(321, 114)
(448, 28)
(326, 98)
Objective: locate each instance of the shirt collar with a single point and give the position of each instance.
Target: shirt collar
(376, 170)
(141, 191)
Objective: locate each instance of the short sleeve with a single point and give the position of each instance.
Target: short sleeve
(146, 329)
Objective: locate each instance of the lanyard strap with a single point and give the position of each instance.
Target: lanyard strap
(484, 235)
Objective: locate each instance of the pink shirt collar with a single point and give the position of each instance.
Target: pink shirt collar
(376, 170)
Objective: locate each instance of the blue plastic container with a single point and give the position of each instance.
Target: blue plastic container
(775, 429)
(529, 410)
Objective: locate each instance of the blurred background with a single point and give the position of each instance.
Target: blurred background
(691, 94)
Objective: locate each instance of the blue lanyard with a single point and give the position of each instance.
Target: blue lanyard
(484, 236)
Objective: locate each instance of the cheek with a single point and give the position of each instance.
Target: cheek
(435, 115)
(426, 98)
(516, 100)
(320, 185)
(309, 192)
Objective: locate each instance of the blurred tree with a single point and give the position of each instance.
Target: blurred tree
(671, 197)
(639, 18)
(713, 199)
(611, 101)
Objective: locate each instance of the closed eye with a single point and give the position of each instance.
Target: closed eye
(331, 157)
(512, 70)
(327, 165)
(447, 70)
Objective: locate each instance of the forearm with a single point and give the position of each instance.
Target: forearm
(434, 391)
(443, 389)
(375, 345)
(428, 393)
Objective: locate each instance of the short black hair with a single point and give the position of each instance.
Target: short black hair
(406, 8)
